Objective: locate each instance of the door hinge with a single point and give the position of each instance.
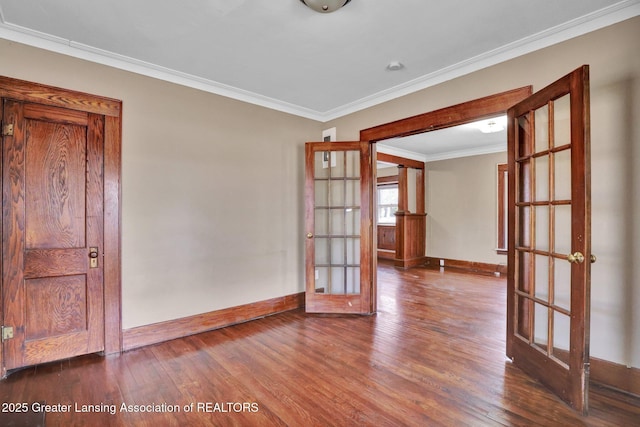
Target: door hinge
(7, 130)
(7, 333)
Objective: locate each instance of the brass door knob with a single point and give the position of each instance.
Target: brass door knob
(575, 258)
(93, 257)
(593, 258)
(309, 235)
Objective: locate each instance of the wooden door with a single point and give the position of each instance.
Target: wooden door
(52, 237)
(340, 266)
(549, 248)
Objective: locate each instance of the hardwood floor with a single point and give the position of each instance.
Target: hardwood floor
(432, 356)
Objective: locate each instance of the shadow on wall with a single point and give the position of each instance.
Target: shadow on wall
(615, 276)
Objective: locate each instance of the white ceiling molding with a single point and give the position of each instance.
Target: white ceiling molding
(575, 28)
(454, 154)
(489, 149)
(394, 151)
(78, 50)
(585, 24)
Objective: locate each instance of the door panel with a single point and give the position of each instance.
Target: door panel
(339, 228)
(550, 237)
(54, 185)
(52, 216)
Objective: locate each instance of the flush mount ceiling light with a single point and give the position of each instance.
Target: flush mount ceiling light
(395, 66)
(495, 124)
(325, 6)
(491, 126)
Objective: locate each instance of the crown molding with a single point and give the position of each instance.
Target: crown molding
(591, 22)
(608, 16)
(489, 149)
(455, 154)
(74, 49)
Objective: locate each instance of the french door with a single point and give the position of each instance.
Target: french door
(548, 298)
(340, 268)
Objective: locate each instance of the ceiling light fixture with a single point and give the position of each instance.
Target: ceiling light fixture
(492, 125)
(395, 66)
(325, 6)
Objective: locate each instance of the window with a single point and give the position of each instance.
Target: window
(503, 209)
(387, 203)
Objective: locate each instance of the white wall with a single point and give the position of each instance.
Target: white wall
(461, 199)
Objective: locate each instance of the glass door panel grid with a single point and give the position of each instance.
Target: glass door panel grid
(337, 222)
(543, 221)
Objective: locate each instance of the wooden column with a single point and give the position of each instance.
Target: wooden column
(403, 192)
(410, 239)
(420, 191)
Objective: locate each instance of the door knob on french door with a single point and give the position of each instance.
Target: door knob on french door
(309, 235)
(575, 258)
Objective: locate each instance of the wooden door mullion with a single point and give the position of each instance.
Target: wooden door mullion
(531, 184)
(345, 163)
(551, 228)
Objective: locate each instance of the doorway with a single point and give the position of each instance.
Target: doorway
(446, 118)
(60, 224)
(459, 187)
(535, 136)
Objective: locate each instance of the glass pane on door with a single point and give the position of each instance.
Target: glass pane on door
(562, 121)
(561, 335)
(544, 223)
(337, 222)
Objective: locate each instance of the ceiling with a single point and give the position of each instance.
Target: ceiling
(282, 55)
(449, 143)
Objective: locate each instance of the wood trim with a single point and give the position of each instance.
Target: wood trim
(112, 235)
(21, 90)
(478, 267)
(25, 91)
(403, 192)
(164, 331)
(466, 112)
(401, 161)
(420, 192)
(458, 114)
(502, 202)
(409, 263)
(610, 374)
(615, 375)
(393, 179)
(387, 254)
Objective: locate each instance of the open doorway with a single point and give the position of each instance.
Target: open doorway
(458, 187)
(405, 138)
(538, 135)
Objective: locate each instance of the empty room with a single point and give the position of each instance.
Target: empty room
(194, 232)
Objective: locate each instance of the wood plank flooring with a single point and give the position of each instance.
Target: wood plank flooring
(432, 356)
